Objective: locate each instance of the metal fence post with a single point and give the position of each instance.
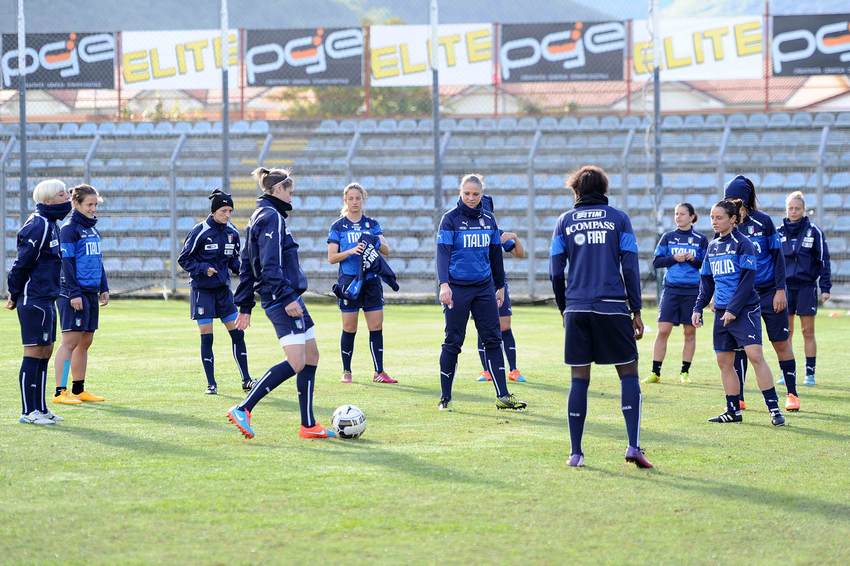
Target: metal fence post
(172, 205)
(7, 151)
(531, 220)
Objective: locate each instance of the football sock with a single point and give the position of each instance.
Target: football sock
(810, 365)
(304, 383)
(496, 367)
(66, 369)
(789, 372)
(42, 385)
(741, 365)
(771, 400)
(448, 364)
(271, 379)
(27, 378)
(509, 346)
(376, 345)
(686, 367)
(240, 352)
(346, 349)
(481, 354)
(59, 391)
(577, 412)
(733, 404)
(78, 387)
(207, 357)
(656, 367)
(631, 405)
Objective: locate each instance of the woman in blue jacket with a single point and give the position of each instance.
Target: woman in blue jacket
(807, 266)
(210, 252)
(270, 267)
(33, 290)
(83, 291)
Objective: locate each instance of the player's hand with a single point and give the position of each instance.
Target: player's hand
(637, 324)
(104, 298)
(711, 306)
(77, 303)
(681, 258)
(10, 304)
(779, 300)
(500, 297)
(211, 271)
(727, 318)
(696, 320)
(243, 321)
(357, 250)
(294, 310)
(824, 297)
(446, 295)
(509, 236)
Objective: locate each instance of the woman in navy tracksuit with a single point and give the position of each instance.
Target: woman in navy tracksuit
(271, 268)
(807, 266)
(33, 290)
(345, 247)
(211, 250)
(83, 291)
(472, 280)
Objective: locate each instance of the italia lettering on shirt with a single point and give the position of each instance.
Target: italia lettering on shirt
(476, 240)
(92, 248)
(722, 267)
(353, 237)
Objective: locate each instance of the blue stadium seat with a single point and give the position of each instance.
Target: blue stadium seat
(367, 125)
(144, 129)
(802, 120)
(548, 123)
(777, 120)
(610, 123)
(387, 125)
(824, 119)
(132, 264)
(124, 129)
(240, 127)
(486, 125)
(737, 121)
(87, 129)
(185, 223)
(67, 129)
(153, 264)
(426, 125)
(672, 122)
(329, 126)
(106, 129)
(715, 121)
(259, 127)
(507, 124)
(422, 224)
(202, 128)
(629, 122)
(348, 126)
(407, 125)
(589, 123)
(568, 123)
(527, 124)
(758, 120)
(694, 122)
(840, 180)
(164, 128)
(182, 128)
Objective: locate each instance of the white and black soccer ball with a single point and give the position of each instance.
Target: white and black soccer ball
(348, 421)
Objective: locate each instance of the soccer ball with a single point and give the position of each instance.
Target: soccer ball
(348, 421)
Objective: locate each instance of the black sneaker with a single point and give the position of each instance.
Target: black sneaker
(776, 419)
(510, 402)
(443, 405)
(727, 417)
(211, 390)
(247, 385)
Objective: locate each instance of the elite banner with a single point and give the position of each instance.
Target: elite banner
(177, 60)
(811, 45)
(570, 51)
(61, 61)
(701, 48)
(304, 57)
(400, 55)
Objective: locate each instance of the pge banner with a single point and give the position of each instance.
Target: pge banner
(400, 55)
(701, 48)
(572, 51)
(811, 45)
(61, 60)
(177, 60)
(314, 56)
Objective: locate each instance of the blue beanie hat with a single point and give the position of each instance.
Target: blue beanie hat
(739, 187)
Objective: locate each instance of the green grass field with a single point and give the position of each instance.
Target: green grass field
(156, 474)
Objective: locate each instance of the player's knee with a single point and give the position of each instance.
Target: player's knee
(808, 332)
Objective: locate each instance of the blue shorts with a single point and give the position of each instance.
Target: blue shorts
(38, 323)
(741, 332)
(775, 322)
(676, 308)
(291, 330)
(84, 320)
(591, 337)
(207, 304)
(371, 297)
(803, 301)
(505, 309)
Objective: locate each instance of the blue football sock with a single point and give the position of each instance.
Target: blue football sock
(771, 399)
(733, 404)
(271, 379)
(577, 412)
(66, 370)
(240, 352)
(27, 378)
(346, 349)
(741, 365)
(496, 367)
(207, 357)
(305, 382)
(482, 354)
(448, 365)
(631, 405)
(376, 345)
(509, 346)
(810, 365)
(789, 372)
(42, 384)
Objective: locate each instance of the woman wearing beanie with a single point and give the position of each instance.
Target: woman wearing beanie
(210, 250)
(33, 289)
(83, 291)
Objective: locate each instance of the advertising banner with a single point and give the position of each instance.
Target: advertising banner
(61, 61)
(701, 48)
(811, 45)
(400, 55)
(571, 51)
(177, 60)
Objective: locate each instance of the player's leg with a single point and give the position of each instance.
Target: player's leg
(765, 382)
(305, 383)
(659, 351)
(375, 322)
(631, 402)
(810, 346)
(227, 311)
(346, 340)
(79, 365)
(731, 384)
(778, 332)
(688, 350)
(577, 412)
(62, 367)
(509, 347)
(456, 318)
(205, 328)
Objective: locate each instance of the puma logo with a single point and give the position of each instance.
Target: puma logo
(269, 235)
(207, 360)
(31, 242)
(751, 336)
(347, 353)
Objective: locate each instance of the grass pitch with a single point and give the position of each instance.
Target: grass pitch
(156, 474)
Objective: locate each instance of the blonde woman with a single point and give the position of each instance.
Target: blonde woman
(349, 236)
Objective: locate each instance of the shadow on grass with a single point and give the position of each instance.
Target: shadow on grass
(127, 442)
(171, 419)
